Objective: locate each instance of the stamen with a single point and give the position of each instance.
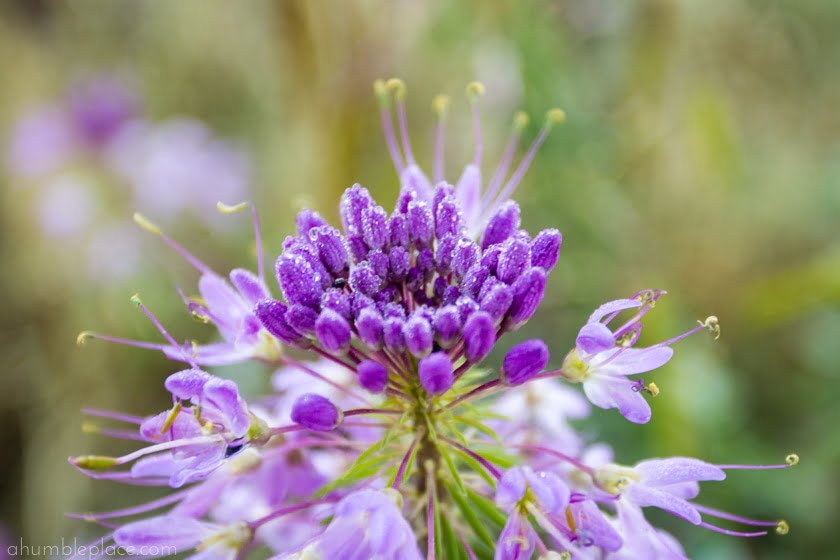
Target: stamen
(113, 415)
(711, 323)
(790, 461)
(134, 510)
(553, 117)
(228, 209)
(330, 382)
(362, 411)
(81, 340)
(571, 460)
(736, 518)
(135, 299)
(397, 87)
(782, 528)
(149, 226)
(253, 525)
(474, 91)
(170, 418)
(484, 462)
(440, 105)
(731, 533)
(520, 121)
(653, 389)
(381, 92)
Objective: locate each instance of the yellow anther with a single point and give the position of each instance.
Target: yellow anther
(83, 338)
(521, 120)
(712, 324)
(380, 90)
(231, 209)
(653, 389)
(194, 346)
(440, 104)
(474, 91)
(555, 116)
(782, 527)
(90, 428)
(792, 459)
(146, 224)
(200, 317)
(397, 87)
(170, 418)
(93, 462)
(135, 299)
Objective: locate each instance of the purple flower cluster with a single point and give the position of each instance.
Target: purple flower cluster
(397, 442)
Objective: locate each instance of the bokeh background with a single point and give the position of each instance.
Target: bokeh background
(701, 155)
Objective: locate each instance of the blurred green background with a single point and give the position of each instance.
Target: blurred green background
(701, 156)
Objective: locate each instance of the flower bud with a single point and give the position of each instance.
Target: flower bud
(524, 361)
(514, 259)
(330, 246)
(545, 249)
(315, 412)
(435, 372)
(375, 226)
(333, 331)
(501, 225)
(373, 376)
(479, 336)
(528, 291)
(447, 325)
(272, 315)
(418, 335)
(369, 325)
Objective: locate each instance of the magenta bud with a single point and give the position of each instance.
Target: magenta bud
(501, 225)
(524, 361)
(448, 218)
(479, 336)
(447, 325)
(302, 318)
(466, 254)
(317, 413)
(418, 335)
(272, 315)
(398, 230)
(545, 249)
(298, 279)
(497, 301)
(435, 372)
(333, 331)
(353, 203)
(329, 243)
(369, 328)
(420, 223)
(392, 334)
(365, 280)
(514, 259)
(373, 376)
(528, 291)
(306, 220)
(375, 226)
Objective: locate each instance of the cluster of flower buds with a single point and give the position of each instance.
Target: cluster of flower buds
(394, 443)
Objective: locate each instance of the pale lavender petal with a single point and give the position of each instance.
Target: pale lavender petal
(630, 361)
(615, 392)
(187, 384)
(645, 496)
(223, 302)
(225, 396)
(468, 194)
(613, 307)
(517, 540)
(216, 354)
(249, 286)
(593, 528)
(661, 472)
(182, 533)
(594, 338)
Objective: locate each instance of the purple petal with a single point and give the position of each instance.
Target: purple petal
(187, 384)
(660, 472)
(593, 528)
(181, 533)
(630, 361)
(222, 301)
(249, 286)
(645, 496)
(224, 395)
(594, 338)
(613, 307)
(615, 392)
(517, 540)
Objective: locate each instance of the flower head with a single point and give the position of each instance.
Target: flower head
(389, 444)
